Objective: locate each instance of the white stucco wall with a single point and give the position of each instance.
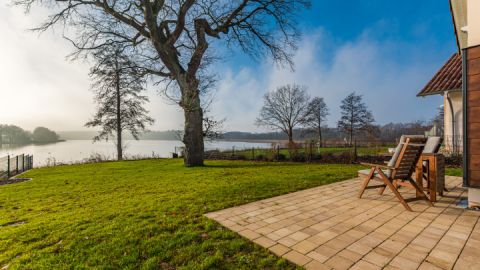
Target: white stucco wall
(453, 137)
(473, 22)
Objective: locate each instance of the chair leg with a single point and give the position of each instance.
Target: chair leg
(421, 192)
(382, 189)
(380, 192)
(365, 182)
(394, 190)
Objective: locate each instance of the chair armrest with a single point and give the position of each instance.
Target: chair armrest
(429, 154)
(376, 165)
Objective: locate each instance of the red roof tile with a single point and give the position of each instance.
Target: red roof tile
(448, 78)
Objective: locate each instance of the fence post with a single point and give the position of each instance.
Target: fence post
(8, 166)
(253, 153)
(16, 161)
(278, 152)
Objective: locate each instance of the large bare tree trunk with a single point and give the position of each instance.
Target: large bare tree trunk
(290, 137)
(193, 133)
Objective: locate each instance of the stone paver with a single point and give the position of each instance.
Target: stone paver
(328, 227)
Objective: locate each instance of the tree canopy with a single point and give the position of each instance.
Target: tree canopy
(355, 116)
(118, 88)
(170, 39)
(316, 116)
(284, 109)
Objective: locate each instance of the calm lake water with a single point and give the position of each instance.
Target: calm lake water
(78, 150)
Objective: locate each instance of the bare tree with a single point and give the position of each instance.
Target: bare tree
(171, 39)
(355, 116)
(118, 86)
(284, 109)
(315, 116)
(212, 128)
(438, 121)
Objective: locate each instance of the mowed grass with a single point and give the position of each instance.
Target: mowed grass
(144, 214)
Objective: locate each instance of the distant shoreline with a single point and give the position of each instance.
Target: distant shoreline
(31, 143)
(39, 143)
(218, 140)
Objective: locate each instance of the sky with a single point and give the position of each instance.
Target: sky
(385, 51)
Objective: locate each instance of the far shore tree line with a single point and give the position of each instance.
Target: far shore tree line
(290, 107)
(14, 135)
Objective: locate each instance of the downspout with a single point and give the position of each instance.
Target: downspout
(452, 113)
(466, 166)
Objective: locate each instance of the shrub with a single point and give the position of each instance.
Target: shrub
(260, 157)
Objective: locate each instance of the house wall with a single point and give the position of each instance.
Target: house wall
(453, 139)
(472, 81)
(473, 22)
(473, 101)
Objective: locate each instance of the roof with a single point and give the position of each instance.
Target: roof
(448, 78)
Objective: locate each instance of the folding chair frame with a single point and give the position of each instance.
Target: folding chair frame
(400, 174)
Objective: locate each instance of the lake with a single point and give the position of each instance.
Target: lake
(77, 150)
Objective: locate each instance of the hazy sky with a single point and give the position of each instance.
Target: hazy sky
(384, 50)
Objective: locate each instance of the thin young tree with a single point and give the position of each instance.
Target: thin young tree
(171, 39)
(118, 86)
(284, 109)
(316, 116)
(355, 117)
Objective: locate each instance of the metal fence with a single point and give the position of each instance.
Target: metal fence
(13, 165)
(453, 144)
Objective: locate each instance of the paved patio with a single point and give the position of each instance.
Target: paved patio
(328, 227)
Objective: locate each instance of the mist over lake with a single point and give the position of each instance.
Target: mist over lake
(77, 150)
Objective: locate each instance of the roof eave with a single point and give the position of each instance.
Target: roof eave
(455, 26)
(438, 92)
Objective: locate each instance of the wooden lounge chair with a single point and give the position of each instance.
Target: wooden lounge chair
(398, 172)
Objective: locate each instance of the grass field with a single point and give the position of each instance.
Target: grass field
(143, 214)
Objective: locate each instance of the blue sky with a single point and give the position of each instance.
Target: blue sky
(385, 50)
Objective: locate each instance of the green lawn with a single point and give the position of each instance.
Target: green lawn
(454, 171)
(143, 214)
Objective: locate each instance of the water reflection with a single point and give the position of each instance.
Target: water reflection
(78, 150)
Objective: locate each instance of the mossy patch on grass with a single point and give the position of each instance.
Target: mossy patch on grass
(144, 214)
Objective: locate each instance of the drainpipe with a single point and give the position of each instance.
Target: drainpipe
(450, 104)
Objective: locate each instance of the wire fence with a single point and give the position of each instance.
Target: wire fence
(302, 152)
(313, 153)
(453, 144)
(14, 165)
